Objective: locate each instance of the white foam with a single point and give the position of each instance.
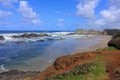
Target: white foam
(3, 68)
(53, 36)
(50, 60)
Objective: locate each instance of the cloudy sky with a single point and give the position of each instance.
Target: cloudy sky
(59, 14)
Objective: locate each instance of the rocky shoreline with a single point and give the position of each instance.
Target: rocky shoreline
(17, 75)
(65, 63)
(29, 35)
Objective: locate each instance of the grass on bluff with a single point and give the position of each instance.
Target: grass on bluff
(88, 71)
(109, 48)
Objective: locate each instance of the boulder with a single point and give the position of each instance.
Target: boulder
(29, 35)
(2, 38)
(115, 41)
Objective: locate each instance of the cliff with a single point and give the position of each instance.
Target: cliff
(66, 66)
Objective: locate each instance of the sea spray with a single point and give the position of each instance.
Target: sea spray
(3, 68)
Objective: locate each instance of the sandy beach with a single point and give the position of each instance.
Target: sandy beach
(103, 41)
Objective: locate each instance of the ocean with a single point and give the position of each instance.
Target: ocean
(37, 53)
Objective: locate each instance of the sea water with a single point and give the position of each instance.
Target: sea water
(37, 53)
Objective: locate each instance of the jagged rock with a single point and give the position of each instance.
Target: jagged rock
(29, 35)
(2, 38)
(65, 61)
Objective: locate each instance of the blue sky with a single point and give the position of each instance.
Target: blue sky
(59, 14)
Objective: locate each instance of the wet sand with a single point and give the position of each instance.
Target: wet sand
(103, 41)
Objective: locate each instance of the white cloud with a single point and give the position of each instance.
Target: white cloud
(8, 3)
(60, 25)
(115, 3)
(111, 15)
(27, 13)
(60, 19)
(110, 18)
(99, 22)
(87, 8)
(4, 14)
(107, 18)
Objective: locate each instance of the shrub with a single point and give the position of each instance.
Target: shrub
(88, 71)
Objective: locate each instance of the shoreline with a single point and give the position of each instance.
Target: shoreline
(104, 39)
(102, 44)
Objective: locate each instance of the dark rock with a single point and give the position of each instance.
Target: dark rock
(29, 35)
(16, 75)
(20, 42)
(115, 42)
(71, 34)
(2, 38)
(111, 32)
(117, 72)
(117, 35)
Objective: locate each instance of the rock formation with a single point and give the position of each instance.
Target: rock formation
(29, 35)
(2, 38)
(111, 32)
(87, 32)
(115, 42)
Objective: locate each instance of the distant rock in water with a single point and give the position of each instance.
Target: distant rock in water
(2, 38)
(115, 42)
(29, 35)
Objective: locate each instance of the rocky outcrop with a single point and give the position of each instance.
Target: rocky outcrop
(111, 32)
(2, 38)
(16, 75)
(115, 42)
(29, 35)
(81, 31)
(65, 61)
(87, 32)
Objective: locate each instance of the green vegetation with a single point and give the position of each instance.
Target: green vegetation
(98, 59)
(88, 71)
(110, 48)
(28, 78)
